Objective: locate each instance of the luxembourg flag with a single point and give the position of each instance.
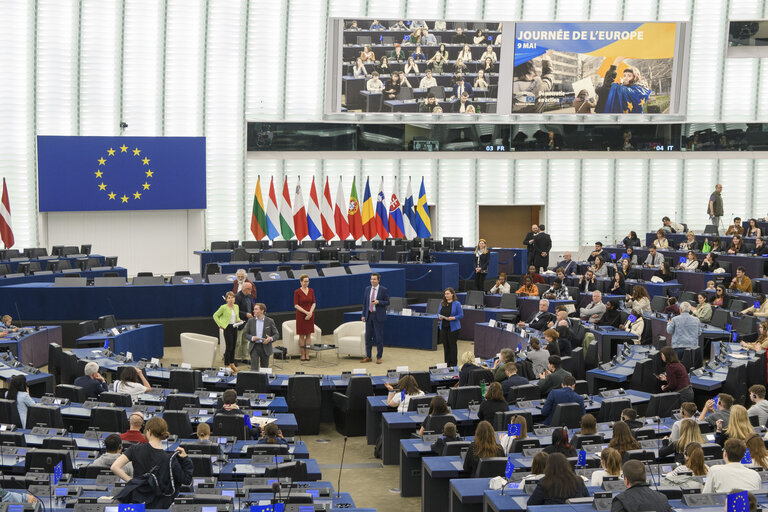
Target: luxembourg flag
(396, 228)
(326, 212)
(339, 216)
(299, 215)
(409, 213)
(313, 214)
(382, 222)
(286, 216)
(273, 217)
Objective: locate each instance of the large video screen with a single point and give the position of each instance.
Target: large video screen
(506, 68)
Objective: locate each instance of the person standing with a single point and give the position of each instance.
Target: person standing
(542, 244)
(260, 332)
(715, 207)
(685, 330)
(226, 317)
(244, 300)
(304, 302)
(482, 257)
(528, 243)
(375, 302)
(449, 325)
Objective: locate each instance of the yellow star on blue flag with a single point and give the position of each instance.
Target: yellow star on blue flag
(738, 502)
(131, 507)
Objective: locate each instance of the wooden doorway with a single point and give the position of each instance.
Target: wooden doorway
(506, 226)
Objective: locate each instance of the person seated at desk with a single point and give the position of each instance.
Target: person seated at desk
(204, 434)
(675, 376)
(562, 336)
(684, 475)
(671, 309)
(92, 382)
(761, 248)
(16, 497)
(437, 63)
(557, 291)
(610, 465)
(758, 453)
(429, 104)
(460, 37)
(664, 273)
(690, 243)
(489, 54)
(631, 240)
(566, 394)
(483, 446)
(406, 383)
(375, 25)
(636, 326)
(383, 66)
(638, 497)
(449, 435)
(588, 427)
(560, 443)
(720, 297)
(494, 402)
(463, 105)
(367, 54)
(229, 406)
(427, 38)
(272, 435)
(506, 440)
(539, 320)
(538, 356)
(639, 299)
(716, 246)
(612, 315)
(552, 378)
(669, 226)
(736, 228)
(724, 478)
(597, 252)
(479, 37)
(418, 54)
(739, 426)
(501, 286)
(599, 268)
(587, 282)
(629, 416)
(538, 466)
(528, 289)
(631, 257)
(535, 276)
(741, 282)
(721, 411)
(437, 407)
(132, 382)
(8, 325)
(753, 230)
(567, 264)
(617, 285)
(595, 310)
(480, 81)
(392, 87)
(709, 263)
(559, 484)
(374, 84)
(428, 81)
(687, 410)
(113, 447)
(398, 54)
(133, 434)
(661, 241)
(622, 440)
(437, 110)
(501, 372)
(466, 366)
(654, 259)
(460, 86)
(737, 246)
(465, 53)
(690, 263)
(761, 343)
(358, 70)
(19, 391)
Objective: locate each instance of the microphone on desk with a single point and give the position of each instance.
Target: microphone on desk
(341, 465)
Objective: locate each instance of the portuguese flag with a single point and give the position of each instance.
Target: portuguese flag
(354, 215)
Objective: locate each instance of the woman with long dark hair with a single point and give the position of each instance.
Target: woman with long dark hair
(132, 382)
(437, 407)
(622, 439)
(559, 484)
(18, 391)
(494, 402)
(449, 324)
(483, 446)
(675, 378)
(560, 443)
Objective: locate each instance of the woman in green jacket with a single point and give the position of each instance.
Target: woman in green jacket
(226, 317)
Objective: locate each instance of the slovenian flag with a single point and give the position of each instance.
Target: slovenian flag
(382, 222)
(314, 222)
(396, 228)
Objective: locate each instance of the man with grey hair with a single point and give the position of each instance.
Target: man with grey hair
(541, 318)
(685, 330)
(595, 309)
(245, 298)
(92, 382)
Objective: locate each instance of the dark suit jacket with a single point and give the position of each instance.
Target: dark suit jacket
(456, 107)
(269, 330)
(467, 89)
(484, 259)
(93, 388)
(560, 396)
(541, 243)
(514, 380)
(380, 309)
(539, 320)
(552, 381)
(245, 305)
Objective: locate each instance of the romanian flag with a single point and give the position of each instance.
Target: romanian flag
(353, 214)
(258, 214)
(369, 216)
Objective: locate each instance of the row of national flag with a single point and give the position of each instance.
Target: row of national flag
(288, 218)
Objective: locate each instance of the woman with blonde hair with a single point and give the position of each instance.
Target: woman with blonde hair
(689, 433)
(761, 343)
(622, 439)
(482, 258)
(739, 426)
(685, 475)
(466, 366)
(610, 462)
(757, 450)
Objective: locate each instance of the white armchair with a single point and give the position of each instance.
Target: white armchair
(349, 339)
(291, 339)
(198, 350)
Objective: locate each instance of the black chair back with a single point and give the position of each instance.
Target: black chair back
(437, 423)
(93, 471)
(186, 380)
(202, 464)
(230, 425)
(490, 467)
(109, 419)
(475, 298)
(459, 398)
(502, 418)
(252, 381)
(207, 448)
(304, 399)
(415, 402)
(59, 443)
(518, 445)
(454, 447)
(178, 402)
(119, 399)
(591, 359)
(524, 392)
(358, 390)
(579, 440)
(642, 378)
(423, 380)
(54, 361)
(85, 328)
(178, 423)
(9, 412)
(46, 415)
(508, 301)
(610, 409)
(47, 460)
(567, 415)
(481, 375)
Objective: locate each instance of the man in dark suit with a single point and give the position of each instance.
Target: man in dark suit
(461, 37)
(92, 382)
(375, 302)
(542, 244)
(566, 394)
(540, 319)
(554, 377)
(244, 300)
(513, 379)
(260, 332)
(461, 87)
(528, 243)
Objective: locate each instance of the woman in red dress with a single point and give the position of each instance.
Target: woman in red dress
(304, 302)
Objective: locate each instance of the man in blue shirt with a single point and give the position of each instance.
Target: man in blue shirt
(564, 395)
(685, 330)
(92, 382)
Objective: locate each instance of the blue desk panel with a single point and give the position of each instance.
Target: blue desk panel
(434, 277)
(43, 302)
(144, 342)
(406, 331)
(514, 261)
(50, 278)
(466, 262)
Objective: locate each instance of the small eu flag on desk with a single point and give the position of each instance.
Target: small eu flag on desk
(747, 458)
(247, 420)
(582, 460)
(106, 344)
(738, 502)
(130, 507)
(513, 429)
(58, 472)
(510, 468)
(402, 396)
(277, 507)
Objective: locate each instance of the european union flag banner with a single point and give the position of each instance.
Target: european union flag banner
(738, 502)
(510, 468)
(58, 472)
(120, 173)
(127, 507)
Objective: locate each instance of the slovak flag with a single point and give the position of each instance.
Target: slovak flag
(396, 227)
